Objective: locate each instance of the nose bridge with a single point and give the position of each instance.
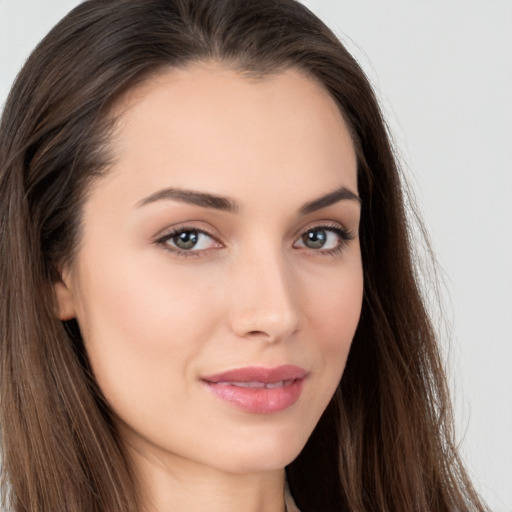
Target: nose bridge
(262, 297)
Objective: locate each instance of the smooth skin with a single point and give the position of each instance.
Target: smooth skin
(167, 289)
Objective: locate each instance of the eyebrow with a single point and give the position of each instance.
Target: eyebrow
(339, 194)
(192, 197)
(226, 204)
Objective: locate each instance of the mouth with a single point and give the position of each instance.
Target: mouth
(256, 384)
(257, 389)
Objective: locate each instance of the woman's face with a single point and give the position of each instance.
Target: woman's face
(218, 281)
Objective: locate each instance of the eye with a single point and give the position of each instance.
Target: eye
(324, 238)
(188, 240)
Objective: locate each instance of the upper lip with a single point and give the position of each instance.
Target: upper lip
(259, 374)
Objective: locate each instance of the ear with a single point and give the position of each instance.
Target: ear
(65, 300)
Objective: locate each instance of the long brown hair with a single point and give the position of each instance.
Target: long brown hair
(384, 443)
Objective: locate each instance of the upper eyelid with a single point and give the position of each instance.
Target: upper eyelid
(179, 228)
(319, 224)
(194, 226)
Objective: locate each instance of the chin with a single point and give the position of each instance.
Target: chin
(268, 454)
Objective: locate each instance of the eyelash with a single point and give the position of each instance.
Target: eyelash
(345, 236)
(163, 241)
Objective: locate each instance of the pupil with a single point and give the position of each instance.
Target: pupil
(186, 240)
(315, 239)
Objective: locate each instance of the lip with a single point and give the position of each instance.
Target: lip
(258, 389)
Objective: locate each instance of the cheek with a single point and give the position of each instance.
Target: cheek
(140, 328)
(335, 302)
(140, 302)
(333, 315)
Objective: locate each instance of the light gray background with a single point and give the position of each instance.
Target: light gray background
(443, 71)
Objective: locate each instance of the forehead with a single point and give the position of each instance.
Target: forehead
(209, 127)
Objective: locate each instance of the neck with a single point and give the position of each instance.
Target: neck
(183, 486)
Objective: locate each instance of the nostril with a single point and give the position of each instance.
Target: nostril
(258, 334)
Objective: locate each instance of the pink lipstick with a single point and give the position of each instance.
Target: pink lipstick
(258, 389)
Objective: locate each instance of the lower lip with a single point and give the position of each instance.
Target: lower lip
(258, 400)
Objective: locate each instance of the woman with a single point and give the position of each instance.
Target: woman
(203, 230)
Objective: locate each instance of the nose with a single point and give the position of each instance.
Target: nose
(264, 303)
